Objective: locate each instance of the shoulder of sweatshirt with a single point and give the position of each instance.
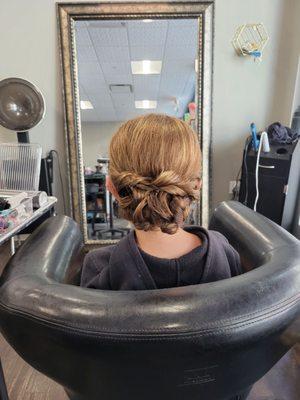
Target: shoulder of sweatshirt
(100, 257)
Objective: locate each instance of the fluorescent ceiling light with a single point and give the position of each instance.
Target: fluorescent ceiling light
(86, 105)
(146, 67)
(147, 20)
(146, 104)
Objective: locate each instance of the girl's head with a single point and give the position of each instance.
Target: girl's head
(155, 171)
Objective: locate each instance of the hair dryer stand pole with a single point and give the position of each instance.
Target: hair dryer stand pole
(112, 231)
(23, 137)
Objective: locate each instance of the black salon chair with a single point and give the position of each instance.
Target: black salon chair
(204, 342)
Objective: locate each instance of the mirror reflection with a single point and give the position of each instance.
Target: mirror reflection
(128, 68)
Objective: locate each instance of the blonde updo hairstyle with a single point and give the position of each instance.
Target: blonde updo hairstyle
(154, 165)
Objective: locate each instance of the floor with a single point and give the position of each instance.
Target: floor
(25, 383)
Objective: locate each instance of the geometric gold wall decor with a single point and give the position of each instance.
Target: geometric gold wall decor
(250, 40)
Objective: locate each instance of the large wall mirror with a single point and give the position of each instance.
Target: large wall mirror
(120, 61)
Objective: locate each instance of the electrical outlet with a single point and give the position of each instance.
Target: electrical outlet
(234, 185)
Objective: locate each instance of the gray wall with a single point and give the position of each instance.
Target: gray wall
(95, 140)
(243, 91)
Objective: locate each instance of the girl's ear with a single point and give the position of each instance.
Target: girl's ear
(111, 187)
(198, 184)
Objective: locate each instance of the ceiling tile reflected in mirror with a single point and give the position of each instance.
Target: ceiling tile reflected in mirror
(127, 68)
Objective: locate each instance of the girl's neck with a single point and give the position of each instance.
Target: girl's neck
(163, 245)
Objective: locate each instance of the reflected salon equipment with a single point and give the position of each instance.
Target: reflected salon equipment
(112, 230)
(101, 210)
(96, 192)
(210, 341)
(94, 212)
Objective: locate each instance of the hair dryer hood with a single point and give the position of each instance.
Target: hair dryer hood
(22, 105)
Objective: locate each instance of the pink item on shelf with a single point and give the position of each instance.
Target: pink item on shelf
(192, 109)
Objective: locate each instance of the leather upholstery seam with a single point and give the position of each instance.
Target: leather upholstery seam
(209, 327)
(116, 336)
(265, 310)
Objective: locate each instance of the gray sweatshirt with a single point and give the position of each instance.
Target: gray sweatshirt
(125, 267)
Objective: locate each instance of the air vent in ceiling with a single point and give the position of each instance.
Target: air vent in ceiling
(120, 88)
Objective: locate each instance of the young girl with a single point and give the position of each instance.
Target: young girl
(154, 173)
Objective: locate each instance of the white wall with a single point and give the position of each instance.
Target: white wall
(95, 140)
(243, 91)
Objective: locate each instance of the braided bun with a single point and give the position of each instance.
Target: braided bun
(154, 161)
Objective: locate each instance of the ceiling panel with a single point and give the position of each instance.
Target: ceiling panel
(90, 70)
(109, 37)
(173, 86)
(82, 38)
(80, 25)
(123, 100)
(112, 54)
(179, 23)
(82, 93)
(154, 24)
(114, 68)
(174, 53)
(119, 79)
(146, 53)
(102, 99)
(182, 37)
(93, 86)
(147, 36)
(180, 66)
(185, 36)
(146, 86)
(92, 24)
(86, 54)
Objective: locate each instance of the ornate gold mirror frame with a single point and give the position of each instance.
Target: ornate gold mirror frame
(67, 14)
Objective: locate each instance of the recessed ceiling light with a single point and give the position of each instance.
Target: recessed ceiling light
(146, 67)
(147, 20)
(146, 104)
(86, 105)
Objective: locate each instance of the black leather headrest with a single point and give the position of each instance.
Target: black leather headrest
(248, 304)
